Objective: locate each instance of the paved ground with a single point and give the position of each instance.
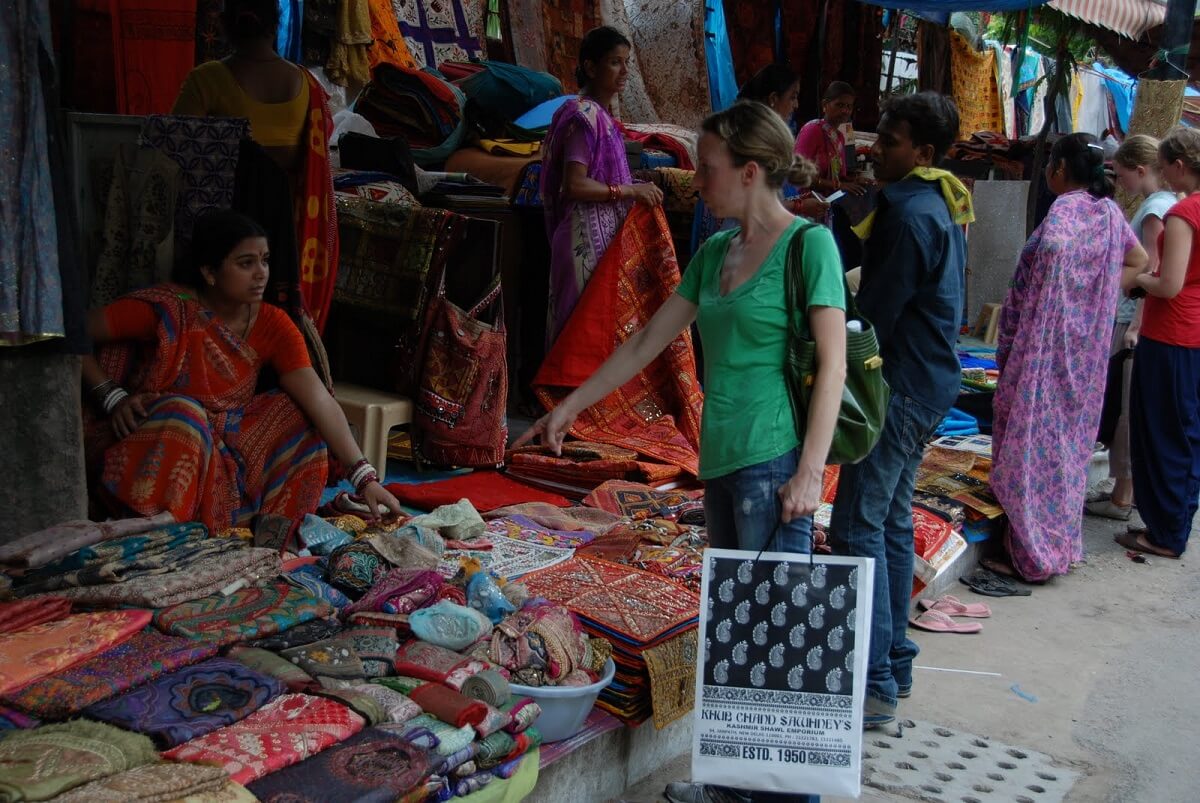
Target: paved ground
(1104, 665)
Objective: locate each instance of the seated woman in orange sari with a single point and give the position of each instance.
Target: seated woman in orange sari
(182, 428)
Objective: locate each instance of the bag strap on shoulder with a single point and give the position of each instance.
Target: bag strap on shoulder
(795, 290)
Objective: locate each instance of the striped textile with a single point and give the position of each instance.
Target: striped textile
(1132, 18)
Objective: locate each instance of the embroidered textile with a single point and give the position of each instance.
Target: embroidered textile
(508, 558)
(571, 519)
(522, 712)
(362, 704)
(635, 501)
(285, 731)
(389, 46)
(376, 648)
(427, 662)
(348, 60)
(449, 739)
(185, 581)
(658, 412)
(564, 22)
(441, 30)
(539, 644)
(306, 633)
(355, 569)
(210, 450)
(672, 668)
(145, 656)
(397, 708)
(332, 658)
(1055, 331)
(246, 614)
(31, 286)
(976, 92)
(33, 653)
(528, 37)
(371, 766)
(450, 624)
(399, 591)
(41, 763)
(37, 549)
(523, 528)
(190, 702)
(448, 705)
(486, 490)
(632, 605)
(316, 210)
(152, 783)
(206, 151)
(580, 232)
(311, 579)
(400, 683)
(272, 665)
(24, 614)
(583, 465)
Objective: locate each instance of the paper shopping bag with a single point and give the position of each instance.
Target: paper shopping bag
(781, 678)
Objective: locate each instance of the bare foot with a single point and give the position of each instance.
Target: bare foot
(999, 567)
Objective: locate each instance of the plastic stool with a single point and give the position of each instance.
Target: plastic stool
(373, 413)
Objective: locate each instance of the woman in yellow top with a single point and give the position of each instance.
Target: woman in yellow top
(289, 117)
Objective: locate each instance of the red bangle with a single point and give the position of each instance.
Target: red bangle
(614, 192)
(365, 481)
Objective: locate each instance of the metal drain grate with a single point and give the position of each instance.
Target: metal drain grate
(936, 764)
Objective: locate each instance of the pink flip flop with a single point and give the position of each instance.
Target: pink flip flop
(938, 622)
(952, 606)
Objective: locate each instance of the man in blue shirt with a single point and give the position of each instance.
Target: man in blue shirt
(911, 292)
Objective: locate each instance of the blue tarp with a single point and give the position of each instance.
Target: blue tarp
(722, 84)
(1121, 85)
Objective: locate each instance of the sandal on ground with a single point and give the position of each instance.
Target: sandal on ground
(1136, 541)
(1108, 509)
(952, 606)
(990, 584)
(938, 622)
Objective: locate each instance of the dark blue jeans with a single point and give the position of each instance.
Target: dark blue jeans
(742, 511)
(872, 518)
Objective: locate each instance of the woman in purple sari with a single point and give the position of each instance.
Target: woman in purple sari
(586, 184)
(1052, 351)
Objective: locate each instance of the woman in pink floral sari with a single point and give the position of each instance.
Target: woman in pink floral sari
(1053, 346)
(586, 185)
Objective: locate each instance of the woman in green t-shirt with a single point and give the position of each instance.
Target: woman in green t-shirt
(761, 484)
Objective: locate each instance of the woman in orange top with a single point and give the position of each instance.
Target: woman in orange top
(191, 436)
(289, 117)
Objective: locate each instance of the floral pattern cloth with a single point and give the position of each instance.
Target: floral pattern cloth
(284, 732)
(247, 614)
(1054, 338)
(142, 658)
(31, 654)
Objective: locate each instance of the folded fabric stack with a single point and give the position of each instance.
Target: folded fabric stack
(583, 466)
(417, 105)
(651, 622)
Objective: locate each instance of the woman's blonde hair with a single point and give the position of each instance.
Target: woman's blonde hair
(1140, 150)
(753, 132)
(1182, 145)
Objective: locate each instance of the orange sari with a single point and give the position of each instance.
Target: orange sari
(211, 450)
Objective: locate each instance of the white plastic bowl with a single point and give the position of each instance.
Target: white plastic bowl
(564, 708)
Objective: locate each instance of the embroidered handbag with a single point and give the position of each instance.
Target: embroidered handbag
(460, 415)
(865, 394)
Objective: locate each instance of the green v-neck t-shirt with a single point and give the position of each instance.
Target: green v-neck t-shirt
(747, 414)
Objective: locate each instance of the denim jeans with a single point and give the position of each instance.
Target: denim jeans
(742, 510)
(872, 518)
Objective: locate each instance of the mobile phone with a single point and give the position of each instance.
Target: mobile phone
(834, 197)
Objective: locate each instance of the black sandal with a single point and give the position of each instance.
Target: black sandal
(990, 584)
